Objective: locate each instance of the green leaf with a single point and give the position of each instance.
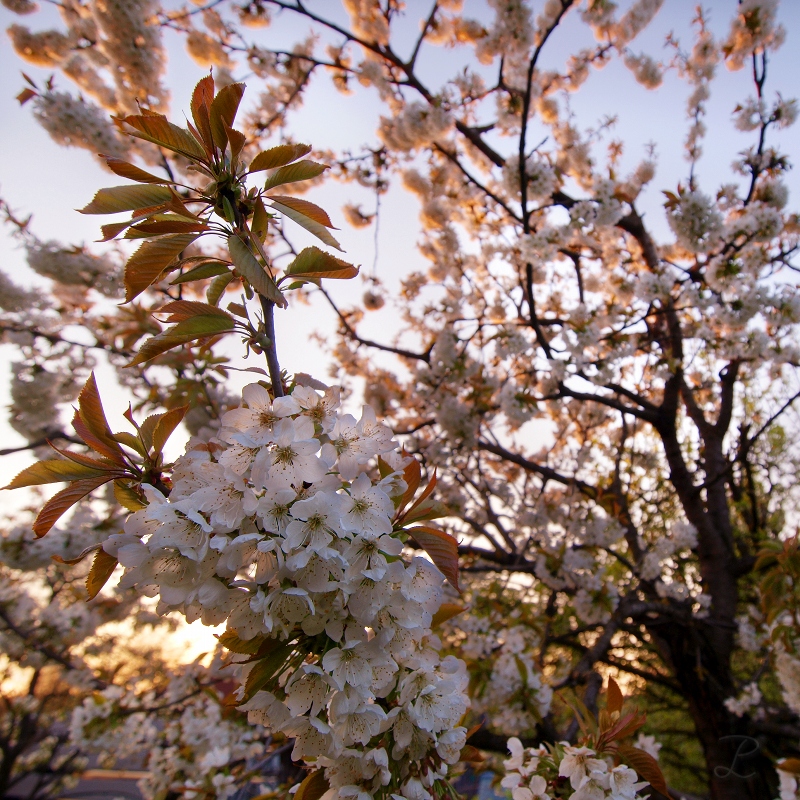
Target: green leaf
(217, 287)
(54, 471)
(259, 224)
(210, 269)
(267, 669)
(441, 547)
(129, 440)
(199, 327)
(278, 156)
(299, 171)
(223, 111)
(248, 267)
(127, 497)
(318, 229)
(126, 198)
(102, 567)
(64, 500)
(312, 262)
(151, 259)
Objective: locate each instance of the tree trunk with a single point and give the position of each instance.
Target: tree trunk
(699, 651)
(736, 764)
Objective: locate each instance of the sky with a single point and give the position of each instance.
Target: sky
(40, 178)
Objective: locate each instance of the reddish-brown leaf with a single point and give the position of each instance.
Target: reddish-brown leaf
(441, 547)
(313, 263)
(77, 560)
(278, 156)
(645, 765)
(790, 765)
(180, 310)
(102, 567)
(102, 464)
(177, 205)
(304, 207)
(614, 697)
(55, 471)
(470, 753)
(151, 259)
(313, 786)
(237, 141)
(202, 97)
(25, 95)
(116, 199)
(425, 494)
(200, 327)
(90, 412)
(412, 475)
(64, 500)
(446, 611)
(166, 425)
(231, 641)
(223, 111)
(291, 210)
(293, 173)
(134, 173)
(173, 225)
(158, 129)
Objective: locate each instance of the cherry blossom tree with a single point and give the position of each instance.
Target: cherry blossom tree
(602, 406)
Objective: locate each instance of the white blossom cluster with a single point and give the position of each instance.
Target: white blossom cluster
(788, 785)
(754, 28)
(74, 266)
(276, 527)
(531, 774)
(14, 298)
(540, 175)
(515, 696)
(645, 69)
(74, 122)
(417, 125)
(788, 670)
(36, 393)
(696, 222)
(193, 745)
(749, 698)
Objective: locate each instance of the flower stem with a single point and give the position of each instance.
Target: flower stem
(268, 307)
